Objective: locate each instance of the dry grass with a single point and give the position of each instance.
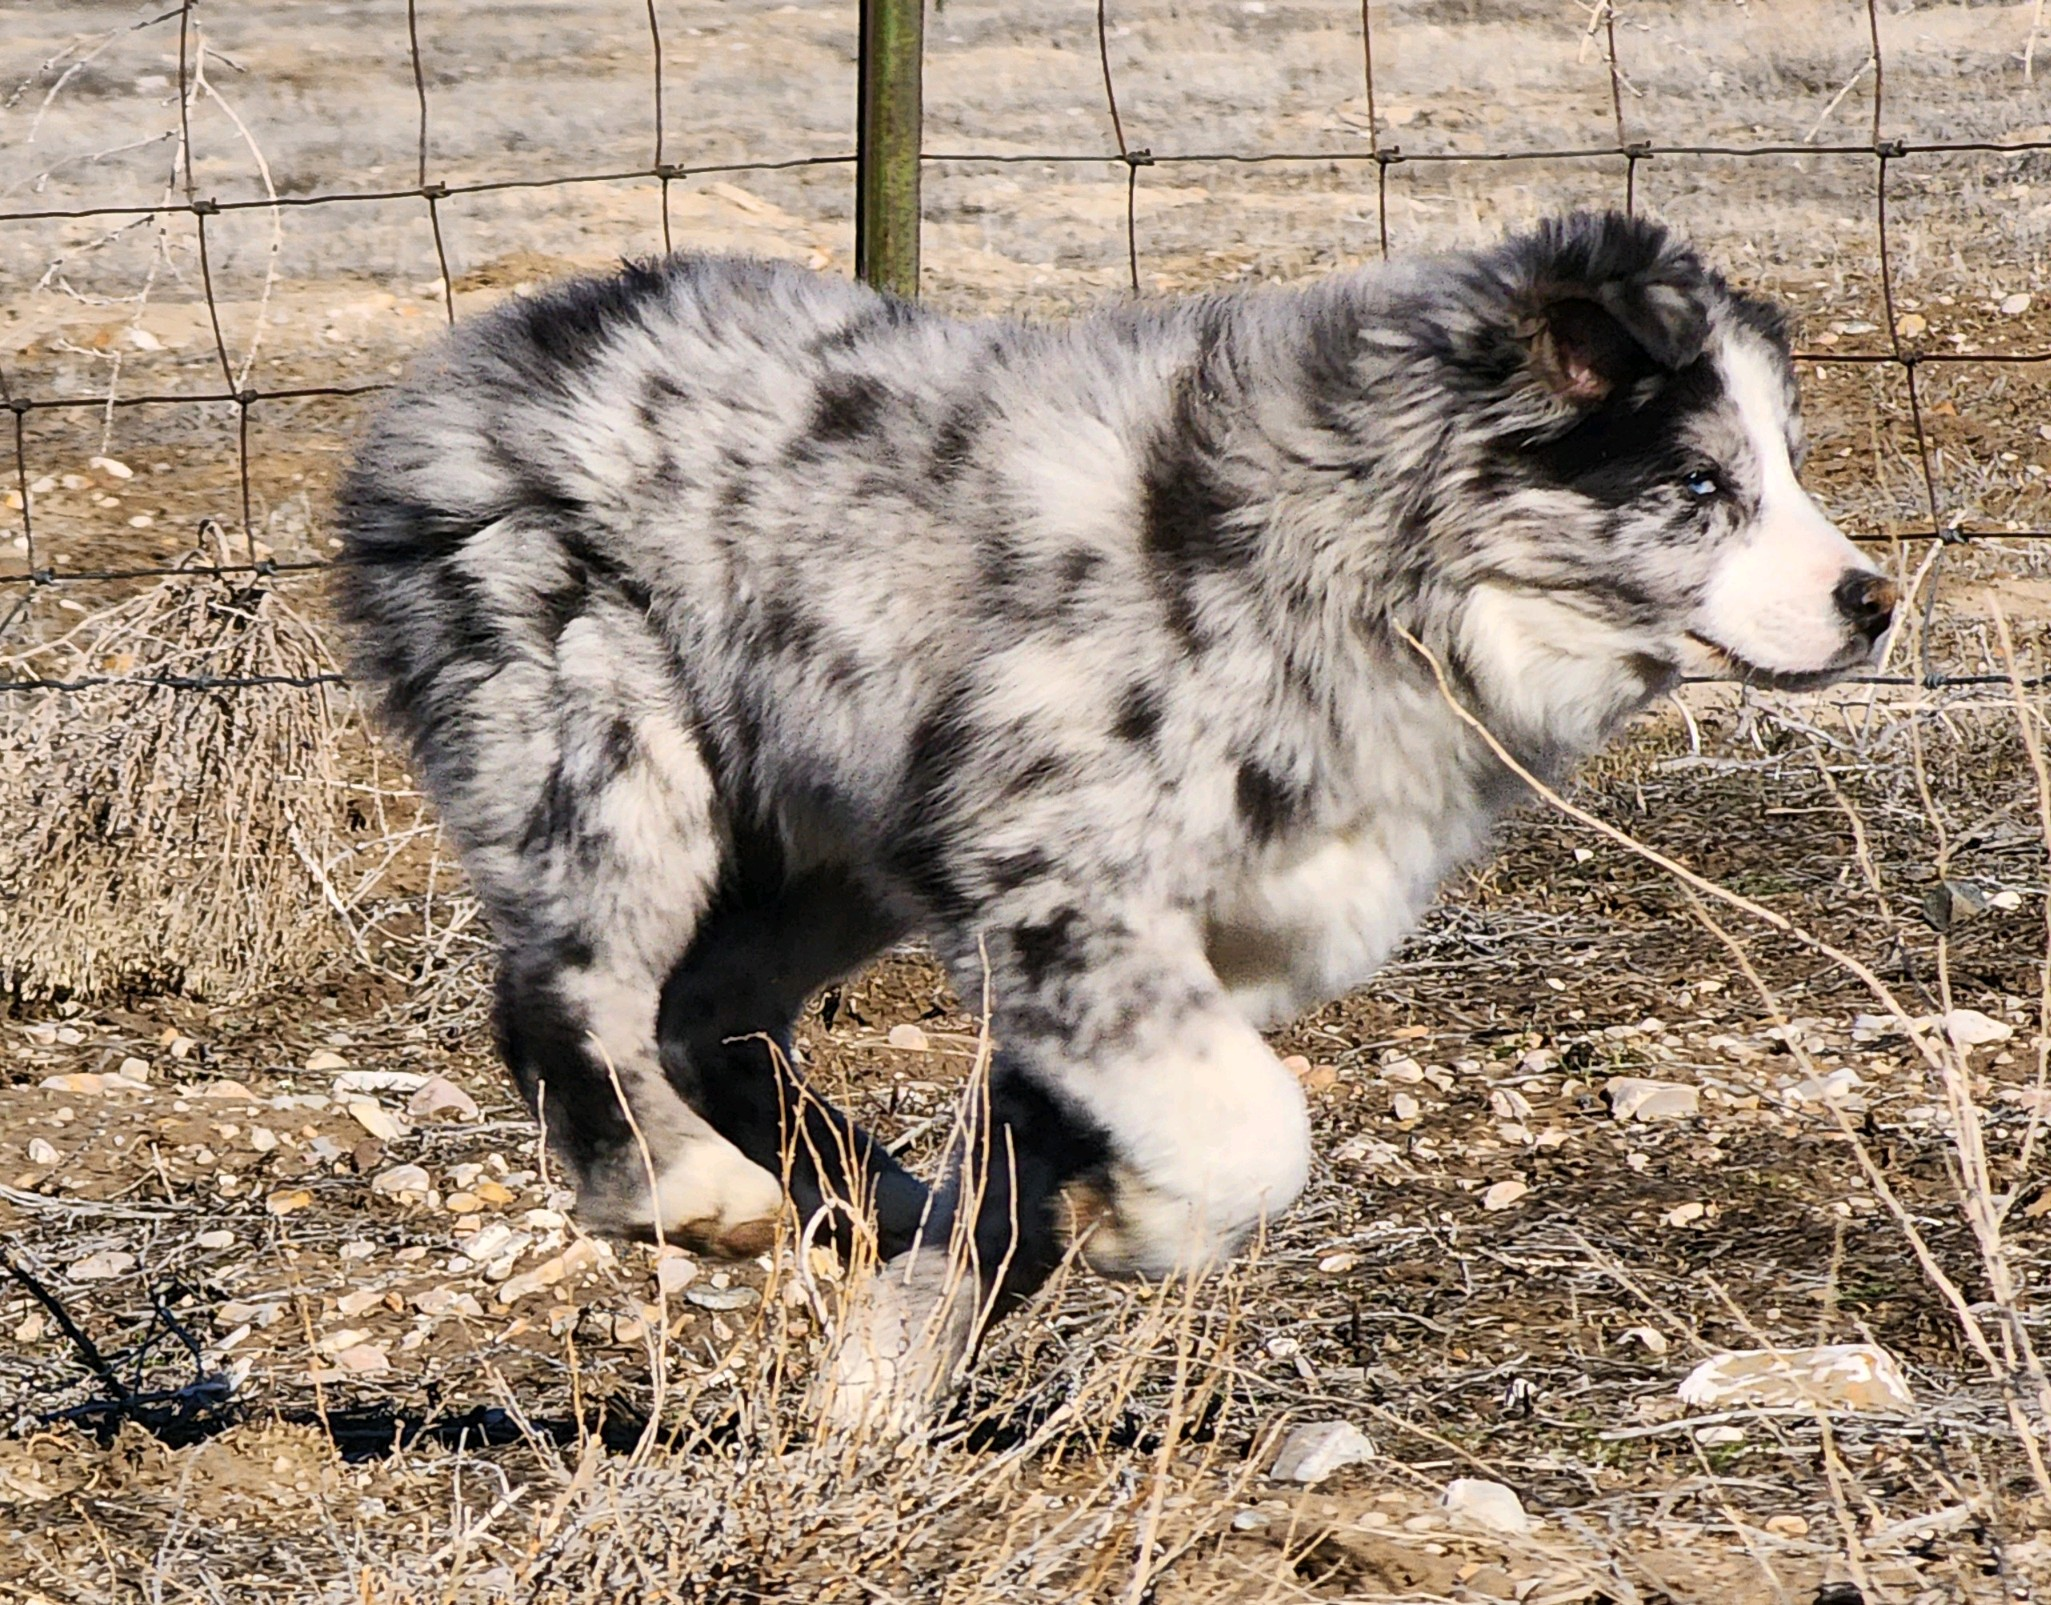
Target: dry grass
(167, 839)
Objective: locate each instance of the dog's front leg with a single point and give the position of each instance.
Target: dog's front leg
(1131, 1113)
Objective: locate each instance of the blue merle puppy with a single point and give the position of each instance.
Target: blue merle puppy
(742, 621)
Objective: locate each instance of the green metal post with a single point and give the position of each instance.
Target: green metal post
(889, 113)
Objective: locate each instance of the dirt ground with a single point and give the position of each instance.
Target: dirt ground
(274, 1326)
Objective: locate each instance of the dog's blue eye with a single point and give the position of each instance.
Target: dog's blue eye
(1701, 484)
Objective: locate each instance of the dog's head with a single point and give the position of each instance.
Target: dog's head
(1630, 462)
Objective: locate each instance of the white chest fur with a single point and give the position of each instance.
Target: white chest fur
(1299, 933)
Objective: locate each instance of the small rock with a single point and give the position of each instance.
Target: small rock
(489, 1242)
(462, 1203)
(79, 1081)
(1246, 1521)
(180, 1047)
(374, 1118)
(1719, 1437)
(225, 1090)
(41, 1152)
(495, 1193)
(236, 1313)
(908, 1037)
(1486, 1504)
(1405, 1107)
(1787, 1526)
(1507, 1103)
(135, 1069)
(31, 1328)
(289, 1202)
(1503, 1194)
(262, 1139)
(405, 1182)
(546, 1274)
(1407, 1071)
(112, 467)
(446, 1301)
(1313, 1451)
(1969, 1028)
(326, 1059)
(1910, 324)
(675, 1272)
(1297, 1064)
(215, 1240)
(1950, 903)
(1845, 1376)
(722, 1298)
(1685, 1214)
(1335, 1263)
(2014, 306)
(1835, 1087)
(1636, 1098)
(362, 1359)
(439, 1098)
(354, 1304)
(103, 1266)
(1653, 1339)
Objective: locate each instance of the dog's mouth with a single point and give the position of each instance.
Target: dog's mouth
(1713, 658)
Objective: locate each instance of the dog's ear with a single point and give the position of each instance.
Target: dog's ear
(1600, 300)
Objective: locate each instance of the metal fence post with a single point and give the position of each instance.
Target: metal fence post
(889, 114)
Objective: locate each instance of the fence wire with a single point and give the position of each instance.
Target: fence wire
(1382, 157)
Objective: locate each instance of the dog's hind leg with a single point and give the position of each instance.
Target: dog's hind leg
(593, 831)
(576, 1023)
(1134, 1116)
(767, 943)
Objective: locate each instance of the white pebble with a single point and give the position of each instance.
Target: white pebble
(1486, 1504)
(1503, 1194)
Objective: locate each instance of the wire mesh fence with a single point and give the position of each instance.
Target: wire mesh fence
(1394, 155)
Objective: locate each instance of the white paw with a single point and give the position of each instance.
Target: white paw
(900, 1349)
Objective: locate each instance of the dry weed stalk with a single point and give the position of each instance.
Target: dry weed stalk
(1995, 1329)
(160, 838)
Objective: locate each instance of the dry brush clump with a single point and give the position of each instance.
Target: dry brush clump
(160, 832)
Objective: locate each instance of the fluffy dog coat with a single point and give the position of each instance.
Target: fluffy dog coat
(741, 621)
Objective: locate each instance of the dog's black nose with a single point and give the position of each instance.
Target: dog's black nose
(1868, 601)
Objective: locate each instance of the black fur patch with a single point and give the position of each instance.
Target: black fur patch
(1049, 949)
(847, 406)
(1013, 870)
(1185, 507)
(618, 750)
(545, 1043)
(1618, 453)
(1038, 1143)
(1268, 803)
(786, 628)
(1139, 714)
(1078, 565)
(954, 439)
(566, 327)
(941, 744)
